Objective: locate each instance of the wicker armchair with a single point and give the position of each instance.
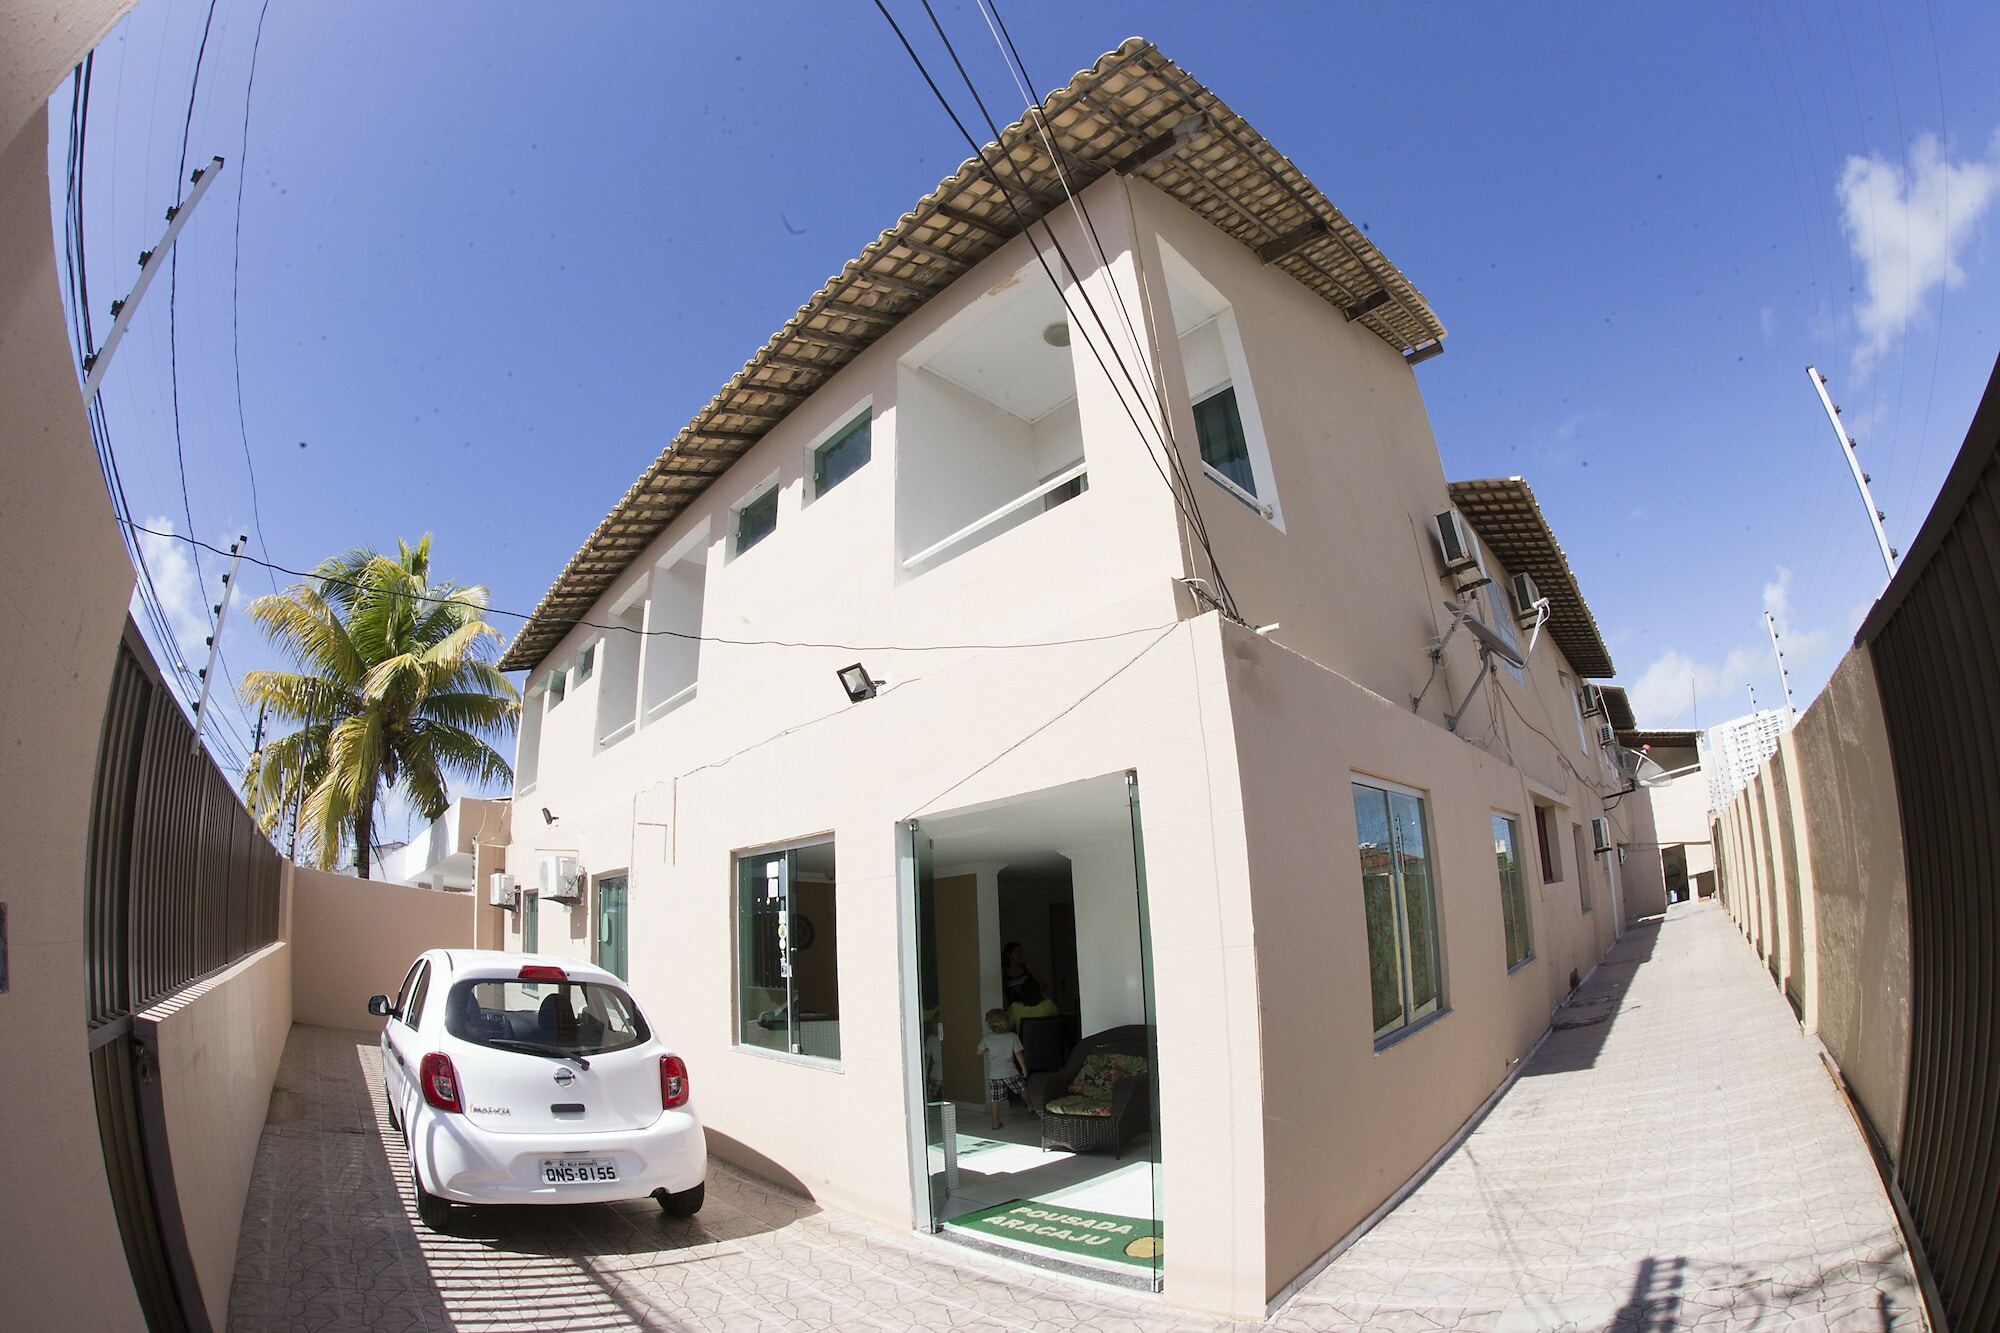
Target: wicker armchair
(1131, 1098)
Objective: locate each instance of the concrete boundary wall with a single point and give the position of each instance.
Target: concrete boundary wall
(353, 938)
(1820, 833)
(216, 1046)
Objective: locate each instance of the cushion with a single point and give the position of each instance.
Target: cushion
(1100, 1071)
(1075, 1104)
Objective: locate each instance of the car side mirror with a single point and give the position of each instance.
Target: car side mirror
(379, 1006)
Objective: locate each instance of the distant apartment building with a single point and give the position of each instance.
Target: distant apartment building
(917, 644)
(1733, 751)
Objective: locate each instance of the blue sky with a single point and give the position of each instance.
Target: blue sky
(490, 261)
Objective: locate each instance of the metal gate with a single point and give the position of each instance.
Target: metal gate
(179, 882)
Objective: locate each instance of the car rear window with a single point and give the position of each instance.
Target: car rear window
(558, 1017)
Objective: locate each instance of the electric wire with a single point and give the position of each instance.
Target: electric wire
(1017, 68)
(1191, 509)
(236, 292)
(1007, 195)
(173, 281)
(608, 626)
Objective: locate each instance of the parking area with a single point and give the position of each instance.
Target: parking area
(1735, 1193)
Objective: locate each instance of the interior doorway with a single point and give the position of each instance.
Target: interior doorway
(1031, 1005)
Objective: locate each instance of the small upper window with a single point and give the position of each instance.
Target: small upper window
(558, 686)
(756, 520)
(842, 456)
(1219, 424)
(586, 662)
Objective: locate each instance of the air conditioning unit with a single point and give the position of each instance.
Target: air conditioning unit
(1593, 701)
(562, 880)
(1526, 596)
(1600, 835)
(1456, 543)
(1607, 735)
(500, 889)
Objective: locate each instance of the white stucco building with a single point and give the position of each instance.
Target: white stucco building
(1331, 883)
(1733, 751)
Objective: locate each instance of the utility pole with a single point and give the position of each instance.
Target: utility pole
(221, 610)
(1850, 451)
(1784, 676)
(96, 362)
(1753, 698)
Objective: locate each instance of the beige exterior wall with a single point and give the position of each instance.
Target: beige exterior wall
(217, 1044)
(353, 938)
(1837, 831)
(768, 752)
(1346, 1123)
(64, 619)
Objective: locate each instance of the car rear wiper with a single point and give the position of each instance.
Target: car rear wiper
(527, 1048)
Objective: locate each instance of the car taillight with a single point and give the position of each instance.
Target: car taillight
(543, 972)
(673, 1082)
(440, 1082)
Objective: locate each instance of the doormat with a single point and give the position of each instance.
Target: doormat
(1069, 1231)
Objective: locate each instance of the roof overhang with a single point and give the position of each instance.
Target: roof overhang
(1134, 112)
(1617, 707)
(1505, 514)
(1633, 738)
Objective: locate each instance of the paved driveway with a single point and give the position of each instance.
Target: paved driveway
(1674, 1156)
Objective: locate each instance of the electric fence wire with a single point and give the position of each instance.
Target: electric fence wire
(173, 280)
(152, 608)
(1225, 601)
(236, 292)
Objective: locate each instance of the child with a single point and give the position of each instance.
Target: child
(1006, 1063)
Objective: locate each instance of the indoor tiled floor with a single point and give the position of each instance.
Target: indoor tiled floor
(1673, 1157)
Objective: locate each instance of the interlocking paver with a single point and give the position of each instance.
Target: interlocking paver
(1673, 1157)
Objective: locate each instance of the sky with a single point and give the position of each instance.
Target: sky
(488, 259)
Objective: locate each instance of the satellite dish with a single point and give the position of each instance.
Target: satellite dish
(1639, 770)
(1492, 642)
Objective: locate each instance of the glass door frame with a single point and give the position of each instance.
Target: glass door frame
(622, 884)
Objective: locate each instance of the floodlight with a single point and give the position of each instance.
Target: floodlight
(858, 683)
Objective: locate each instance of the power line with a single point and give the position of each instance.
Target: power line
(236, 291)
(174, 275)
(484, 609)
(1008, 196)
(1191, 510)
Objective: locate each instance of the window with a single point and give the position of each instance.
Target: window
(757, 519)
(549, 1017)
(528, 736)
(1513, 892)
(1546, 844)
(1582, 865)
(1576, 706)
(1401, 907)
(415, 1013)
(531, 922)
(842, 456)
(1219, 425)
(558, 686)
(586, 663)
(1499, 605)
(409, 989)
(787, 964)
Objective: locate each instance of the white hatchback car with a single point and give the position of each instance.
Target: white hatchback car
(522, 1078)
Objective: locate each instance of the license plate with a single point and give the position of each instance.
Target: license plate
(578, 1170)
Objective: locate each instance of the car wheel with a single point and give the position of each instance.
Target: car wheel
(433, 1212)
(685, 1204)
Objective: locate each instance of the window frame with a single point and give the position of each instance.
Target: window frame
(418, 994)
(1548, 843)
(1582, 849)
(769, 490)
(586, 662)
(784, 852)
(556, 686)
(1523, 915)
(1412, 1016)
(863, 418)
(407, 989)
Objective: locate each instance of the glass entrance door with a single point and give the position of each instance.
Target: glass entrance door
(612, 948)
(939, 1115)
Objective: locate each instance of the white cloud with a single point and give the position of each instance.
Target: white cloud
(1675, 687)
(1909, 226)
(178, 588)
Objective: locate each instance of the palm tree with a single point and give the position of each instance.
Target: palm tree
(397, 689)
